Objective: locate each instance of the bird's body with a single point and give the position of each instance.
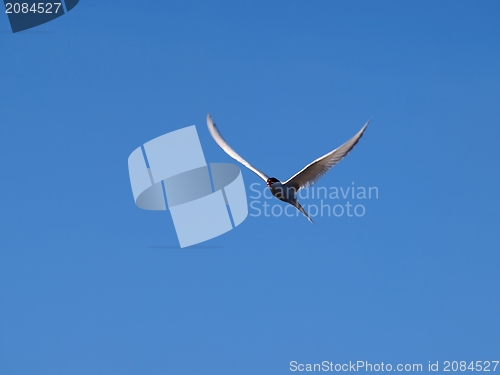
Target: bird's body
(286, 194)
(283, 193)
(287, 191)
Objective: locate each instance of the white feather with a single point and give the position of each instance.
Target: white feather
(315, 170)
(212, 128)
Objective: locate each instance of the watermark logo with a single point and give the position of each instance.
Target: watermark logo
(334, 201)
(27, 14)
(205, 201)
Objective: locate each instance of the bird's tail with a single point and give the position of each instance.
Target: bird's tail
(299, 207)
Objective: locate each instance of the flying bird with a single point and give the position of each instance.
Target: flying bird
(287, 191)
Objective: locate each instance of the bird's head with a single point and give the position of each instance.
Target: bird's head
(271, 181)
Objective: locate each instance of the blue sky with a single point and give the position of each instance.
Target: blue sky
(90, 284)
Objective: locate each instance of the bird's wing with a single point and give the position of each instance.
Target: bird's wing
(212, 128)
(314, 171)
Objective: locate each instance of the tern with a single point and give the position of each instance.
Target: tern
(311, 173)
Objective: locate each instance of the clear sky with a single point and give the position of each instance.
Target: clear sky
(91, 284)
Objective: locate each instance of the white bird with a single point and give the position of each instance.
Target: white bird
(287, 191)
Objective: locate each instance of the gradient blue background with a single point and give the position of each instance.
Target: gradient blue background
(90, 284)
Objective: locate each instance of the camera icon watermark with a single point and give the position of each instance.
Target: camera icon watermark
(205, 200)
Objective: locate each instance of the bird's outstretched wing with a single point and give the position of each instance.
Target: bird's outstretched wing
(212, 128)
(314, 171)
